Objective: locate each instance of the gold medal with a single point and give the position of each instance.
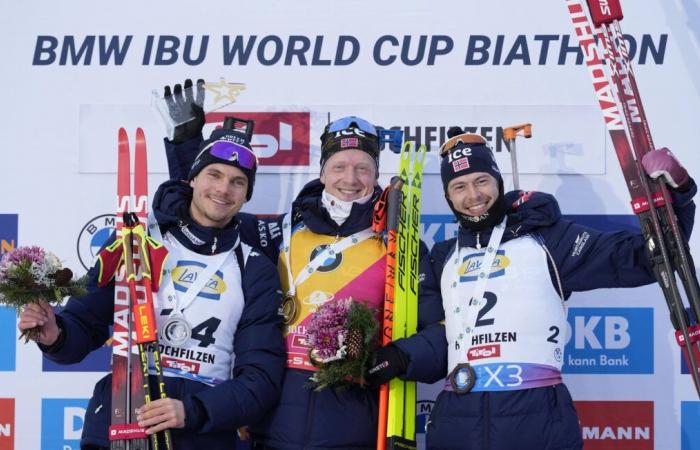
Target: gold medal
(290, 309)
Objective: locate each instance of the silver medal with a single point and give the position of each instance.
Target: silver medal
(177, 330)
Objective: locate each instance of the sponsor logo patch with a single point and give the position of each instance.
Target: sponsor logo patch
(472, 265)
(185, 275)
(579, 243)
(484, 351)
(179, 364)
(331, 262)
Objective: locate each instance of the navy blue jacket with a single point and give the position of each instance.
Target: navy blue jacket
(340, 418)
(585, 259)
(213, 414)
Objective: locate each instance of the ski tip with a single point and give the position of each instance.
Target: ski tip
(140, 136)
(122, 134)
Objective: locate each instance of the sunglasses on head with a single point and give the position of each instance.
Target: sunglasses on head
(392, 137)
(230, 151)
(346, 122)
(465, 138)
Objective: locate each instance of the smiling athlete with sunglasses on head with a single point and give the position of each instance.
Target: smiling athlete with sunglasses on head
(503, 281)
(224, 361)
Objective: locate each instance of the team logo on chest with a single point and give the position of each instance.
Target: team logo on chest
(185, 275)
(471, 266)
(330, 263)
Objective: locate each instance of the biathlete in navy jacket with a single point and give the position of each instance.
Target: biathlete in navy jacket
(234, 352)
(518, 261)
(336, 208)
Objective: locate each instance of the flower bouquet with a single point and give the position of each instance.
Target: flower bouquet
(31, 274)
(342, 340)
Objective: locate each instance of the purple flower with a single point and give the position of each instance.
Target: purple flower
(34, 260)
(32, 254)
(327, 331)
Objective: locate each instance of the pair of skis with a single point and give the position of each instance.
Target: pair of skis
(401, 221)
(618, 97)
(135, 262)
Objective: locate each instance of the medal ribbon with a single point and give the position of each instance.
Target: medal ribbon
(467, 316)
(333, 249)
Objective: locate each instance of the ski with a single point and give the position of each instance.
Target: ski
(386, 219)
(150, 256)
(618, 60)
(397, 387)
(404, 259)
(123, 434)
(650, 199)
(413, 237)
(135, 261)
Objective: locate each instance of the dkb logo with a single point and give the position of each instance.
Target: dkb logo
(610, 340)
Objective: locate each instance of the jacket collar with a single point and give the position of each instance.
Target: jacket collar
(171, 206)
(526, 212)
(308, 208)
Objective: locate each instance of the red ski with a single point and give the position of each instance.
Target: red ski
(618, 97)
(124, 434)
(135, 261)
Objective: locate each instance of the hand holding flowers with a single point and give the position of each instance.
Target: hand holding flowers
(30, 280)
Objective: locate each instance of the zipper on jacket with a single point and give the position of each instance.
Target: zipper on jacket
(213, 246)
(478, 241)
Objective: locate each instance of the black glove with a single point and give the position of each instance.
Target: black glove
(182, 106)
(389, 362)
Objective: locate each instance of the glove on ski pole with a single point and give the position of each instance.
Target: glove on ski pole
(390, 362)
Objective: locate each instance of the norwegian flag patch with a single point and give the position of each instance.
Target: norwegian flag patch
(349, 143)
(460, 164)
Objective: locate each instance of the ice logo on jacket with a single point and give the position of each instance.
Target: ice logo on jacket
(185, 275)
(471, 265)
(331, 263)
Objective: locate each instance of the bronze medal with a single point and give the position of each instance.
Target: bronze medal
(462, 378)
